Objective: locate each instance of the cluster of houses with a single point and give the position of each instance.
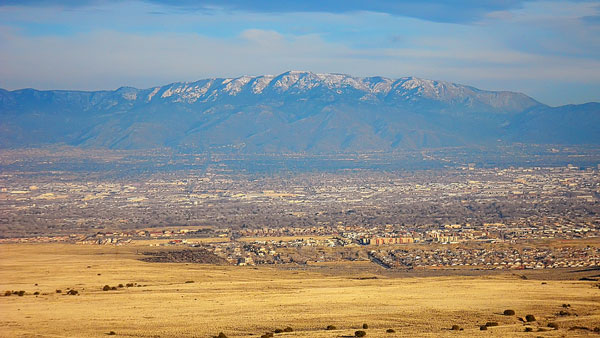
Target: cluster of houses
(489, 258)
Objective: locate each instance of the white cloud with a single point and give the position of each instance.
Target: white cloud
(110, 59)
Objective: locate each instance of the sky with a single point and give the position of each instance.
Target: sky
(549, 50)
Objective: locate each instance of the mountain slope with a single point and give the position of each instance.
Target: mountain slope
(293, 111)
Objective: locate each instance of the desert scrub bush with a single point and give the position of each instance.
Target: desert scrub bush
(36, 293)
(7, 293)
(573, 328)
(483, 327)
(365, 326)
(455, 327)
(528, 329)
(267, 335)
(221, 335)
(58, 291)
(360, 333)
(331, 327)
(553, 325)
(288, 329)
(509, 312)
(530, 318)
(390, 331)
(189, 281)
(112, 333)
(129, 285)
(21, 293)
(113, 288)
(491, 324)
(121, 285)
(72, 292)
(105, 288)
(277, 331)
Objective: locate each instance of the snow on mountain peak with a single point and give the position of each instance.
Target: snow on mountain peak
(362, 88)
(234, 86)
(260, 83)
(152, 93)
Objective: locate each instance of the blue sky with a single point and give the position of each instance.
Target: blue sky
(547, 49)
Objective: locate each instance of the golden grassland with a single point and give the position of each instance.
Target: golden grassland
(247, 301)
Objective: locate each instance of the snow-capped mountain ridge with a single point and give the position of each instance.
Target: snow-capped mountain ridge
(292, 111)
(366, 88)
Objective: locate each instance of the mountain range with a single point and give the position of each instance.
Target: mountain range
(291, 112)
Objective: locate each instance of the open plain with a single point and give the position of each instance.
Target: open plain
(197, 300)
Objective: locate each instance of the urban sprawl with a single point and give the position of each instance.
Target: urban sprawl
(467, 217)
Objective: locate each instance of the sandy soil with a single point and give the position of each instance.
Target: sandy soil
(247, 301)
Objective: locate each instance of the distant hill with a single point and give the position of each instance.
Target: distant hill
(291, 112)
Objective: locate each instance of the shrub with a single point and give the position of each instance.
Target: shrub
(528, 329)
(365, 326)
(36, 293)
(483, 327)
(491, 324)
(189, 281)
(106, 288)
(509, 312)
(113, 288)
(58, 291)
(563, 313)
(331, 327)
(277, 330)
(288, 329)
(455, 327)
(120, 285)
(21, 293)
(360, 333)
(390, 330)
(572, 328)
(530, 318)
(566, 305)
(267, 335)
(221, 335)
(553, 325)
(7, 293)
(129, 285)
(112, 333)
(72, 292)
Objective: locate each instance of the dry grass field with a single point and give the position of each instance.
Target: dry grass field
(247, 301)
